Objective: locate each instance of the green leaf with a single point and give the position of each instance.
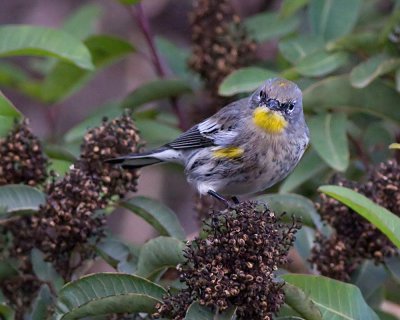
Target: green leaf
(66, 78)
(8, 269)
(296, 49)
(8, 115)
(290, 7)
(393, 265)
(162, 218)
(20, 199)
(336, 300)
(269, 25)
(321, 63)
(244, 80)
(19, 40)
(158, 254)
(304, 243)
(82, 22)
(175, 57)
(378, 99)
(156, 133)
(385, 316)
(44, 270)
(40, 308)
(6, 312)
(328, 137)
(104, 293)
(301, 303)
(367, 71)
(109, 110)
(310, 165)
(332, 19)
(129, 2)
(156, 90)
(199, 312)
(293, 204)
(118, 254)
(365, 41)
(380, 217)
(363, 275)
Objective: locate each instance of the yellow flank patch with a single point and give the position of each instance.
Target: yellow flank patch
(228, 152)
(269, 121)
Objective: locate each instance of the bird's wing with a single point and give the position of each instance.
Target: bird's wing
(210, 132)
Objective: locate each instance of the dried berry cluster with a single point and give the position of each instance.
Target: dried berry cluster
(111, 139)
(220, 43)
(354, 238)
(235, 264)
(21, 158)
(69, 222)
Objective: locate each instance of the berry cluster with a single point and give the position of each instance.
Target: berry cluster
(235, 264)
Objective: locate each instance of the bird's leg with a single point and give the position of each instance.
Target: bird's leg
(235, 200)
(218, 196)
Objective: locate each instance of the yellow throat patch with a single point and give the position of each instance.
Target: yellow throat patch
(228, 152)
(269, 121)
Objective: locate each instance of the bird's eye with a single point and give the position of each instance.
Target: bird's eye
(289, 107)
(263, 95)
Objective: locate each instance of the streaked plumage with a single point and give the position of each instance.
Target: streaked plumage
(247, 146)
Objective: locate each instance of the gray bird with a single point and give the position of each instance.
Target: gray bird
(246, 147)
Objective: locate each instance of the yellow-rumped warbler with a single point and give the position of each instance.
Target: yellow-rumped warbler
(247, 146)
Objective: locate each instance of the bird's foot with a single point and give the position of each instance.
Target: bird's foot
(219, 197)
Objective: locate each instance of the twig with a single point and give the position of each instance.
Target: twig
(143, 24)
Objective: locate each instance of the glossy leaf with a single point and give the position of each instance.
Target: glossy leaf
(310, 165)
(199, 312)
(65, 78)
(175, 57)
(290, 7)
(336, 300)
(44, 270)
(365, 41)
(6, 312)
(296, 49)
(244, 80)
(109, 111)
(20, 199)
(328, 137)
(158, 254)
(82, 22)
(321, 63)
(301, 302)
(393, 265)
(366, 72)
(383, 219)
(378, 99)
(162, 218)
(363, 275)
(333, 18)
(104, 293)
(305, 238)
(42, 304)
(293, 204)
(155, 90)
(155, 132)
(269, 25)
(8, 115)
(118, 254)
(18, 40)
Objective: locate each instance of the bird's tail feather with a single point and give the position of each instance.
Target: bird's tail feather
(134, 161)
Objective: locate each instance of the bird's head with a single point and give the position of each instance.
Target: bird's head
(276, 105)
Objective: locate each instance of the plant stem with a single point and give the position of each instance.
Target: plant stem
(143, 24)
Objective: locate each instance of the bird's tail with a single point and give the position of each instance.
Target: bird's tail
(135, 161)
